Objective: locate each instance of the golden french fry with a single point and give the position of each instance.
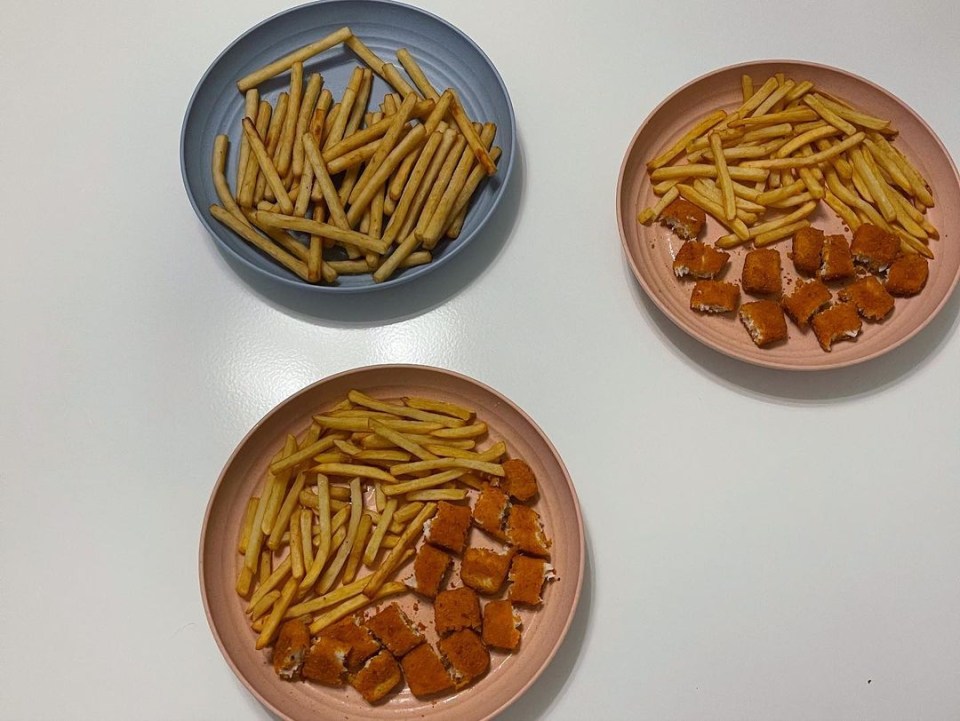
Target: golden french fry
(746, 87)
(779, 234)
(695, 132)
(437, 479)
(264, 605)
(272, 624)
(438, 494)
(324, 532)
(723, 178)
(407, 538)
(810, 136)
(332, 571)
(383, 523)
(355, 604)
(775, 97)
(809, 160)
(821, 109)
(874, 185)
(711, 207)
(357, 549)
(278, 576)
(247, 526)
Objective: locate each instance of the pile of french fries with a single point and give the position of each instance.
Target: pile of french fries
(762, 169)
(385, 186)
(341, 507)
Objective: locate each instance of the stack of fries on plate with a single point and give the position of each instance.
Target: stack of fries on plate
(408, 455)
(384, 186)
(788, 146)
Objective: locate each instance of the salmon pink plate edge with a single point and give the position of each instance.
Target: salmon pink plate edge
(650, 249)
(544, 629)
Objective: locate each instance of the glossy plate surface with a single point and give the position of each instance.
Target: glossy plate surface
(448, 57)
(650, 249)
(510, 674)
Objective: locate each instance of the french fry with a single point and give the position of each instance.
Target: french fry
(809, 160)
(416, 74)
(410, 534)
(648, 215)
(325, 533)
(306, 538)
(746, 87)
(272, 624)
(327, 188)
(379, 178)
(251, 103)
(723, 178)
(874, 185)
(354, 469)
(277, 485)
(332, 571)
(417, 175)
(246, 191)
(290, 222)
(286, 511)
(473, 140)
(779, 234)
(357, 549)
(695, 132)
(775, 97)
(278, 576)
(821, 109)
(389, 141)
(267, 167)
(459, 212)
(296, 546)
(339, 125)
(247, 525)
(287, 61)
(437, 479)
(308, 107)
(438, 494)
(250, 235)
(290, 122)
(264, 605)
(353, 605)
(709, 206)
(383, 523)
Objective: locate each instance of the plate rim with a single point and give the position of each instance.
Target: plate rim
(581, 535)
(400, 278)
(829, 364)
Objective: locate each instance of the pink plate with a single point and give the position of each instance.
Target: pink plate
(650, 249)
(510, 674)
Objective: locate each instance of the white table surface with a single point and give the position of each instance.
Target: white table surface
(762, 545)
